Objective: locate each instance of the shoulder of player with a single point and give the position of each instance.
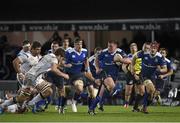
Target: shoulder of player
(70, 50)
(138, 53)
(104, 50)
(26, 54)
(167, 60)
(50, 55)
(158, 55)
(91, 58)
(119, 50)
(84, 50)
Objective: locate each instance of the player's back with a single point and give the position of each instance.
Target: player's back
(43, 65)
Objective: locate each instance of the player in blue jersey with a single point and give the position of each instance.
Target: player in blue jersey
(92, 64)
(162, 78)
(76, 64)
(108, 70)
(150, 63)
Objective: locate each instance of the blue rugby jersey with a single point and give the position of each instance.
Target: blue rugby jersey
(76, 59)
(106, 61)
(169, 67)
(150, 63)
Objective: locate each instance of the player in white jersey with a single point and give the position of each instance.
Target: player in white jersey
(49, 62)
(23, 53)
(25, 60)
(51, 76)
(22, 64)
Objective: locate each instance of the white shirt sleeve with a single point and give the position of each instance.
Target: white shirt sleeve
(23, 58)
(54, 61)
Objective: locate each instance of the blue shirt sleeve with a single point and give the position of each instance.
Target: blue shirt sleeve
(140, 54)
(123, 54)
(100, 58)
(169, 66)
(162, 62)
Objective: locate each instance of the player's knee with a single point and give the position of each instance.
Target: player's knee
(109, 82)
(141, 90)
(95, 91)
(149, 86)
(92, 92)
(79, 85)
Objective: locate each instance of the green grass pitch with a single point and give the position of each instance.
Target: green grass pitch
(111, 114)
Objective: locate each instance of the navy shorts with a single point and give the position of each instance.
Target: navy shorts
(129, 78)
(52, 77)
(79, 76)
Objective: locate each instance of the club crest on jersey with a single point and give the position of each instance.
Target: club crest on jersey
(84, 55)
(106, 55)
(73, 56)
(146, 58)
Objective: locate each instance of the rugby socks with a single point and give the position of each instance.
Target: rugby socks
(94, 102)
(101, 102)
(36, 99)
(126, 103)
(40, 103)
(147, 101)
(137, 101)
(116, 91)
(89, 101)
(48, 99)
(61, 101)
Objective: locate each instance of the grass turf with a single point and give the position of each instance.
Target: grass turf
(111, 114)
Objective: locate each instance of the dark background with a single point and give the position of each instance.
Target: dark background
(11, 10)
(87, 9)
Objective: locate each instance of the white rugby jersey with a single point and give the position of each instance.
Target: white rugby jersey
(43, 65)
(28, 60)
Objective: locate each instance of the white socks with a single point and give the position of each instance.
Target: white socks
(36, 99)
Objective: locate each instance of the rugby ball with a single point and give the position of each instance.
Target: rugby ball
(117, 58)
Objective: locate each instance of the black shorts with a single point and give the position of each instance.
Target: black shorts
(52, 77)
(79, 76)
(159, 83)
(129, 78)
(140, 81)
(103, 75)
